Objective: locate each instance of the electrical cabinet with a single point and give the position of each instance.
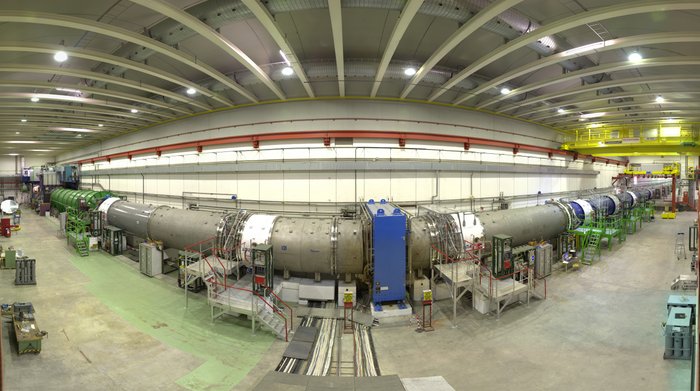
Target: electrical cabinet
(389, 252)
(150, 259)
(543, 260)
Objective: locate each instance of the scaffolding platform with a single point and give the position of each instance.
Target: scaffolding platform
(458, 273)
(239, 299)
(222, 266)
(503, 288)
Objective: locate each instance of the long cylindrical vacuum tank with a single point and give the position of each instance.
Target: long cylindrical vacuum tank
(336, 246)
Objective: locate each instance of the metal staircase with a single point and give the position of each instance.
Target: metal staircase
(82, 247)
(592, 248)
(272, 321)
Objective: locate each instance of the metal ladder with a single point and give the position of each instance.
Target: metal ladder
(680, 246)
(592, 248)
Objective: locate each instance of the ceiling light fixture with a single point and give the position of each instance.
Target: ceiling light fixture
(100, 125)
(561, 111)
(21, 142)
(284, 57)
(23, 120)
(660, 99)
(287, 71)
(73, 90)
(191, 91)
(134, 111)
(16, 132)
(79, 130)
(592, 115)
(60, 56)
(587, 48)
(409, 71)
(505, 91)
(34, 99)
(635, 57)
(13, 154)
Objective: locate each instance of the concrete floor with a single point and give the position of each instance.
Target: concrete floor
(111, 328)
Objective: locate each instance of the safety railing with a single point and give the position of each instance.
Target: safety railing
(220, 280)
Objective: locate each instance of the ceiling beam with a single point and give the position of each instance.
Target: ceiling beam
(599, 14)
(336, 12)
(213, 36)
(264, 16)
(54, 70)
(484, 16)
(35, 47)
(157, 115)
(625, 106)
(409, 11)
(65, 109)
(606, 68)
(595, 87)
(119, 33)
(602, 46)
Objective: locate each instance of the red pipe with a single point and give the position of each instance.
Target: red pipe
(255, 140)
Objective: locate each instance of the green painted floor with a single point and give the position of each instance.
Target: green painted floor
(116, 321)
(158, 309)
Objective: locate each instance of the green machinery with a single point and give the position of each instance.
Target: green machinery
(62, 199)
(24, 325)
(263, 268)
(502, 255)
(9, 258)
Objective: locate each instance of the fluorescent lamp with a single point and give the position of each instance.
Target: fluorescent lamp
(34, 99)
(561, 111)
(592, 115)
(72, 90)
(79, 130)
(134, 111)
(21, 142)
(505, 90)
(41, 150)
(23, 120)
(284, 57)
(587, 48)
(660, 99)
(287, 71)
(191, 91)
(100, 125)
(409, 71)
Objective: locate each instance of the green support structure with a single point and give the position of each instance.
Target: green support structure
(77, 230)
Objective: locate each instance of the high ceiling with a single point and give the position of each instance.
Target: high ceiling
(130, 63)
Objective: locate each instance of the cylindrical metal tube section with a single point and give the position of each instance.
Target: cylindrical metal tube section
(61, 199)
(317, 245)
(582, 209)
(419, 242)
(349, 252)
(628, 199)
(302, 244)
(132, 218)
(526, 224)
(178, 228)
(607, 204)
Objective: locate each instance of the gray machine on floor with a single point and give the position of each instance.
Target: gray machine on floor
(25, 272)
(150, 259)
(678, 329)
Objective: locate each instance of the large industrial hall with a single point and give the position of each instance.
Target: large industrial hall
(350, 195)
